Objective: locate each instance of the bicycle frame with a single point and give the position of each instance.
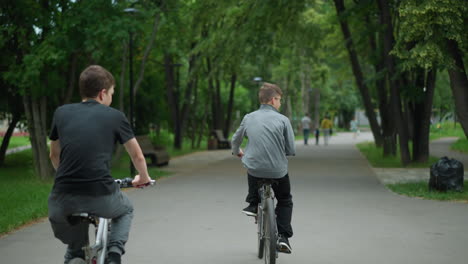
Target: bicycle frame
(95, 253)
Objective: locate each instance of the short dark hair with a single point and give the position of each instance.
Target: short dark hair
(268, 91)
(93, 79)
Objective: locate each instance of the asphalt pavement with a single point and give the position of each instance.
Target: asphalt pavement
(342, 214)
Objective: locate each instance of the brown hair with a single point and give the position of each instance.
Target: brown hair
(268, 91)
(94, 79)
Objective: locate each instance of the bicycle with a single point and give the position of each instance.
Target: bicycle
(267, 229)
(96, 253)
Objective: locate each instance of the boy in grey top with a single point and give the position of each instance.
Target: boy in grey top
(270, 140)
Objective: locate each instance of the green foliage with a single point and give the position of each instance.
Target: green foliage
(425, 26)
(421, 190)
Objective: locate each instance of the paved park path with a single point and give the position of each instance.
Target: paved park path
(342, 214)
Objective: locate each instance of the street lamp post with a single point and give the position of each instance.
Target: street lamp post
(130, 65)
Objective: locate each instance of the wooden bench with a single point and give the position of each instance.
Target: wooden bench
(158, 155)
(222, 142)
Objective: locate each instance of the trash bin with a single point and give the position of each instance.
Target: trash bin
(446, 175)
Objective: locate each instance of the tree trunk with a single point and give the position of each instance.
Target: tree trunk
(173, 100)
(422, 119)
(121, 85)
(356, 67)
(305, 89)
(316, 95)
(386, 122)
(227, 126)
(388, 41)
(202, 126)
(459, 84)
(6, 138)
(148, 49)
(218, 105)
(287, 107)
(35, 110)
(123, 69)
(71, 80)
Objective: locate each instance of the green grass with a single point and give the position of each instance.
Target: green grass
(23, 196)
(421, 189)
(447, 129)
(375, 158)
(461, 145)
(17, 142)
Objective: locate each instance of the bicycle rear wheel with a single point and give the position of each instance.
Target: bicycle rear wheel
(261, 237)
(271, 235)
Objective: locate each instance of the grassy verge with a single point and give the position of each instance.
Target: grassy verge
(374, 156)
(461, 145)
(447, 129)
(421, 190)
(23, 195)
(17, 142)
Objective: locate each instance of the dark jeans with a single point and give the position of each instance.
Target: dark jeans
(306, 135)
(284, 207)
(317, 136)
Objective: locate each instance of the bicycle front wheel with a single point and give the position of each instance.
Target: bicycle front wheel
(271, 235)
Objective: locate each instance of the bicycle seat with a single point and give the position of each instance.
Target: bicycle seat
(77, 218)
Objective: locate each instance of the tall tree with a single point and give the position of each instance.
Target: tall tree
(433, 36)
(359, 78)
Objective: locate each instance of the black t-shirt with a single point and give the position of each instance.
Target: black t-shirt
(87, 133)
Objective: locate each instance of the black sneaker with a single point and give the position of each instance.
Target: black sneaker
(113, 258)
(283, 245)
(250, 210)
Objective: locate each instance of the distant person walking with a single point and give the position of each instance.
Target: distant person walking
(326, 126)
(306, 127)
(354, 127)
(317, 135)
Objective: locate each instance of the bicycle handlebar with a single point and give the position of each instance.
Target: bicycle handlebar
(127, 183)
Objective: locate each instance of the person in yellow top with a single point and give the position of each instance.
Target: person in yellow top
(326, 126)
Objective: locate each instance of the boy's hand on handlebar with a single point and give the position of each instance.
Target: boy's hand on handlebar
(140, 181)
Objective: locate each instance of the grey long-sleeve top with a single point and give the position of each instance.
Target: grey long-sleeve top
(270, 140)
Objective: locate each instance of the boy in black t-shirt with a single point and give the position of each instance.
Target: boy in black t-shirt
(82, 137)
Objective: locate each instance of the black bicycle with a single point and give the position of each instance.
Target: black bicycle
(96, 253)
(266, 223)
